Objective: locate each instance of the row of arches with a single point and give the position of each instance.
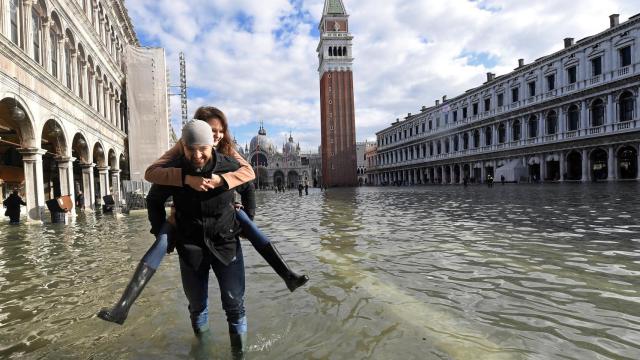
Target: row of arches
(621, 162)
(38, 29)
(337, 51)
(55, 158)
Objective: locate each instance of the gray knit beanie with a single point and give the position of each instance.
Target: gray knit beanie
(197, 132)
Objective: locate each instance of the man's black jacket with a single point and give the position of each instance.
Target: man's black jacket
(204, 219)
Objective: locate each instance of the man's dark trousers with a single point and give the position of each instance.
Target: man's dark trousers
(231, 282)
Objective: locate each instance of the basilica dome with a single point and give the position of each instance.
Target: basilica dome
(261, 142)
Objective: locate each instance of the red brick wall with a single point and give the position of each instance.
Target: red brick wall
(337, 108)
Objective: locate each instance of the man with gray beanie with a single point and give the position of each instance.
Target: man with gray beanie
(207, 231)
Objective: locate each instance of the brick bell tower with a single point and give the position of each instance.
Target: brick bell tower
(336, 97)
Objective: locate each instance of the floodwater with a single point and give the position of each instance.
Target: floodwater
(441, 272)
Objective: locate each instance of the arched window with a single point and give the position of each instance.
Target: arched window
(573, 118)
(67, 65)
(456, 143)
(533, 127)
(516, 130)
(330, 51)
(36, 29)
(439, 146)
(488, 132)
(502, 133)
(626, 106)
(446, 146)
(344, 51)
(54, 52)
(430, 149)
(339, 51)
(465, 141)
(552, 123)
(476, 139)
(597, 113)
(15, 10)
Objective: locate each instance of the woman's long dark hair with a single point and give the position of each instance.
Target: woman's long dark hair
(208, 113)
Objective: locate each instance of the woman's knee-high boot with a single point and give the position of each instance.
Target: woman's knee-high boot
(273, 258)
(118, 313)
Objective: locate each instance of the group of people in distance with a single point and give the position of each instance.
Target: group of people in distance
(201, 173)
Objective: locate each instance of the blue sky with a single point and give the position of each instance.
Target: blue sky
(256, 60)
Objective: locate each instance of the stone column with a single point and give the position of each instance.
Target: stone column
(562, 165)
(103, 178)
(483, 173)
(99, 96)
(584, 117)
(91, 98)
(611, 164)
(27, 25)
(74, 72)
(89, 189)
(46, 44)
(610, 113)
(562, 122)
(523, 132)
(118, 117)
(34, 182)
(62, 58)
(115, 183)
(509, 135)
(82, 74)
(65, 168)
(105, 101)
(638, 164)
(585, 166)
(543, 167)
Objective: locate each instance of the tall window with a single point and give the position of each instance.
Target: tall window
(533, 127)
(572, 75)
(67, 65)
(465, 141)
(532, 88)
(475, 108)
(516, 130)
(514, 94)
(502, 133)
(596, 66)
(476, 138)
(14, 9)
(625, 56)
(456, 143)
(35, 29)
(89, 91)
(552, 123)
(464, 112)
(54, 53)
(79, 67)
(573, 118)
(488, 132)
(487, 104)
(455, 115)
(500, 100)
(597, 113)
(551, 82)
(626, 106)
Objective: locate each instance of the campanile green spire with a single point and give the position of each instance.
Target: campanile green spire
(334, 7)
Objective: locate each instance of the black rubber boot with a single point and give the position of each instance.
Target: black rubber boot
(293, 280)
(238, 345)
(118, 314)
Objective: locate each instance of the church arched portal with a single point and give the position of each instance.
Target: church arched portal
(293, 179)
(259, 159)
(278, 179)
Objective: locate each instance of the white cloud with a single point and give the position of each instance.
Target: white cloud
(407, 52)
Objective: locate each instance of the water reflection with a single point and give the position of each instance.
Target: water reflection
(436, 272)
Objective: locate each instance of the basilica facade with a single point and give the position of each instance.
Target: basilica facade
(276, 167)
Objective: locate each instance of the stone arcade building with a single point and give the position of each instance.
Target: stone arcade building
(571, 115)
(62, 114)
